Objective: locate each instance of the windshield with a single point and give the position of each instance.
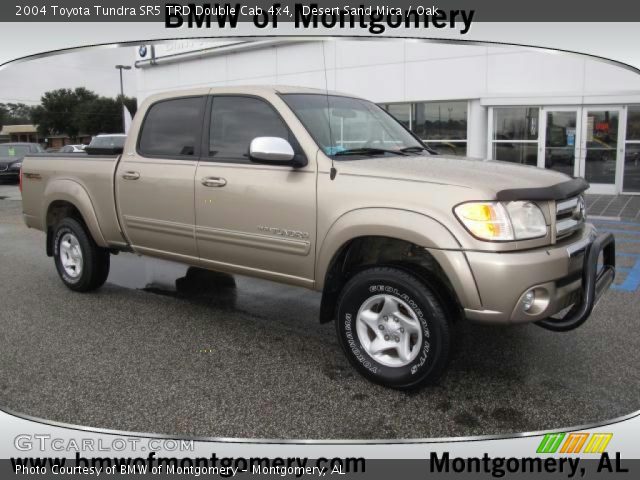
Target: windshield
(116, 141)
(355, 125)
(14, 150)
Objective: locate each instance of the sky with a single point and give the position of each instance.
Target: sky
(26, 81)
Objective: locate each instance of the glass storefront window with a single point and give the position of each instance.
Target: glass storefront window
(440, 120)
(441, 125)
(401, 111)
(515, 123)
(515, 134)
(518, 152)
(631, 182)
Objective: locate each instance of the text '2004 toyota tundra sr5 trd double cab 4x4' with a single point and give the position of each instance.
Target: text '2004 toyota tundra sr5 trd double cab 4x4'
(329, 192)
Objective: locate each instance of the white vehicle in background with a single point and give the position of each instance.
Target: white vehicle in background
(106, 144)
(72, 149)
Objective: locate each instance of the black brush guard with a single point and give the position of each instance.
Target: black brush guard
(594, 283)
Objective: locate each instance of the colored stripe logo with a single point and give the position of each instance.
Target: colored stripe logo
(598, 442)
(550, 443)
(574, 443)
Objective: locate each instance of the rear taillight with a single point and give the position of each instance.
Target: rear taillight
(20, 185)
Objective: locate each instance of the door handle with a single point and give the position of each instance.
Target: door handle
(214, 182)
(131, 175)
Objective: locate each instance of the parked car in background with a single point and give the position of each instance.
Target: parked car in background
(11, 155)
(111, 144)
(72, 149)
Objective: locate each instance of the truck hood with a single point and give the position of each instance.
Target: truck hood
(485, 176)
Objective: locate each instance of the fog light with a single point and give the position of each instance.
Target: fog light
(527, 300)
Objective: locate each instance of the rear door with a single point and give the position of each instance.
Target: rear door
(260, 219)
(154, 180)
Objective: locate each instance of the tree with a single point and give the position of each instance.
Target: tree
(15, 114)
(80, 111)
(102, 115)
(55, 115)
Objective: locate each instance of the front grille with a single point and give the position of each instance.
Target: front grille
(4, 167)
(570, 216)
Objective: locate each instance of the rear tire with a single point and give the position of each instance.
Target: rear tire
(393, 328)
(82, 265)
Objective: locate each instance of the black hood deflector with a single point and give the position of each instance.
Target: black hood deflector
(560, 191)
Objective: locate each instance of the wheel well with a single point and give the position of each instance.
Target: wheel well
(58, 210)
(364, 252)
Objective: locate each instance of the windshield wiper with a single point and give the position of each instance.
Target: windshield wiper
(368, 151)
(417, 148)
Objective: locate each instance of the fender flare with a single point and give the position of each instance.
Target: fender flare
(74, 193)
(407, 225)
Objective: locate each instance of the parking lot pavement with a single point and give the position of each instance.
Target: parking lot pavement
(9, 190)
(203, 357)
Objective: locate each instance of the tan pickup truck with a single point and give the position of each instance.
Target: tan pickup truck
(329, 192)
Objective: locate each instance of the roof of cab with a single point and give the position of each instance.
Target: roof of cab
(247, 90)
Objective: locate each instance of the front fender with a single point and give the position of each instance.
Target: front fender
(70, 191)
(404, 225)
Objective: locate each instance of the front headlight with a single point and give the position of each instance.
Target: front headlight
(497, 221)
(527, 220)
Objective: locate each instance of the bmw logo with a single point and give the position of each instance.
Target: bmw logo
(142, 51)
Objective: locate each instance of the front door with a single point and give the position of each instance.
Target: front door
(602, 147)
(584, 142)
(260, 219)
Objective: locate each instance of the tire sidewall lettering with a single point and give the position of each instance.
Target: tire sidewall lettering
(353, 342)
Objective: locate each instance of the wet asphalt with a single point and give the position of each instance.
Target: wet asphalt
(168, 350)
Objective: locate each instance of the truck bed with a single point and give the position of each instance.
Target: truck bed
(52, 177)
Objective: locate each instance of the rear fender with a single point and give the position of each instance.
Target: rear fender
(72, 192)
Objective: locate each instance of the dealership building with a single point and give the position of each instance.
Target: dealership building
(571, 113)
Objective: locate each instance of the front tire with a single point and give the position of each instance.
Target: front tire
(393, 328)
(82, 265)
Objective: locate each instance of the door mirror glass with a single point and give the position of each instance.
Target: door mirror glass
(271, 150)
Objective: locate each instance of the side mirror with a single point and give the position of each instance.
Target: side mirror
(271, 150)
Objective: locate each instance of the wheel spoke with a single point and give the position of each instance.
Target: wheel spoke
(378, 345)
(370, 318)
(390, 306)
(409, 324)
(404, 349)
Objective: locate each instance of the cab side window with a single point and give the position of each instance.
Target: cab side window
(172, 128)
(235, 121)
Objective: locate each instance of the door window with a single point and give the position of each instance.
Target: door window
(236, 121)
(601, 131)
(632, 151)
(560, 142)
(172, 128)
